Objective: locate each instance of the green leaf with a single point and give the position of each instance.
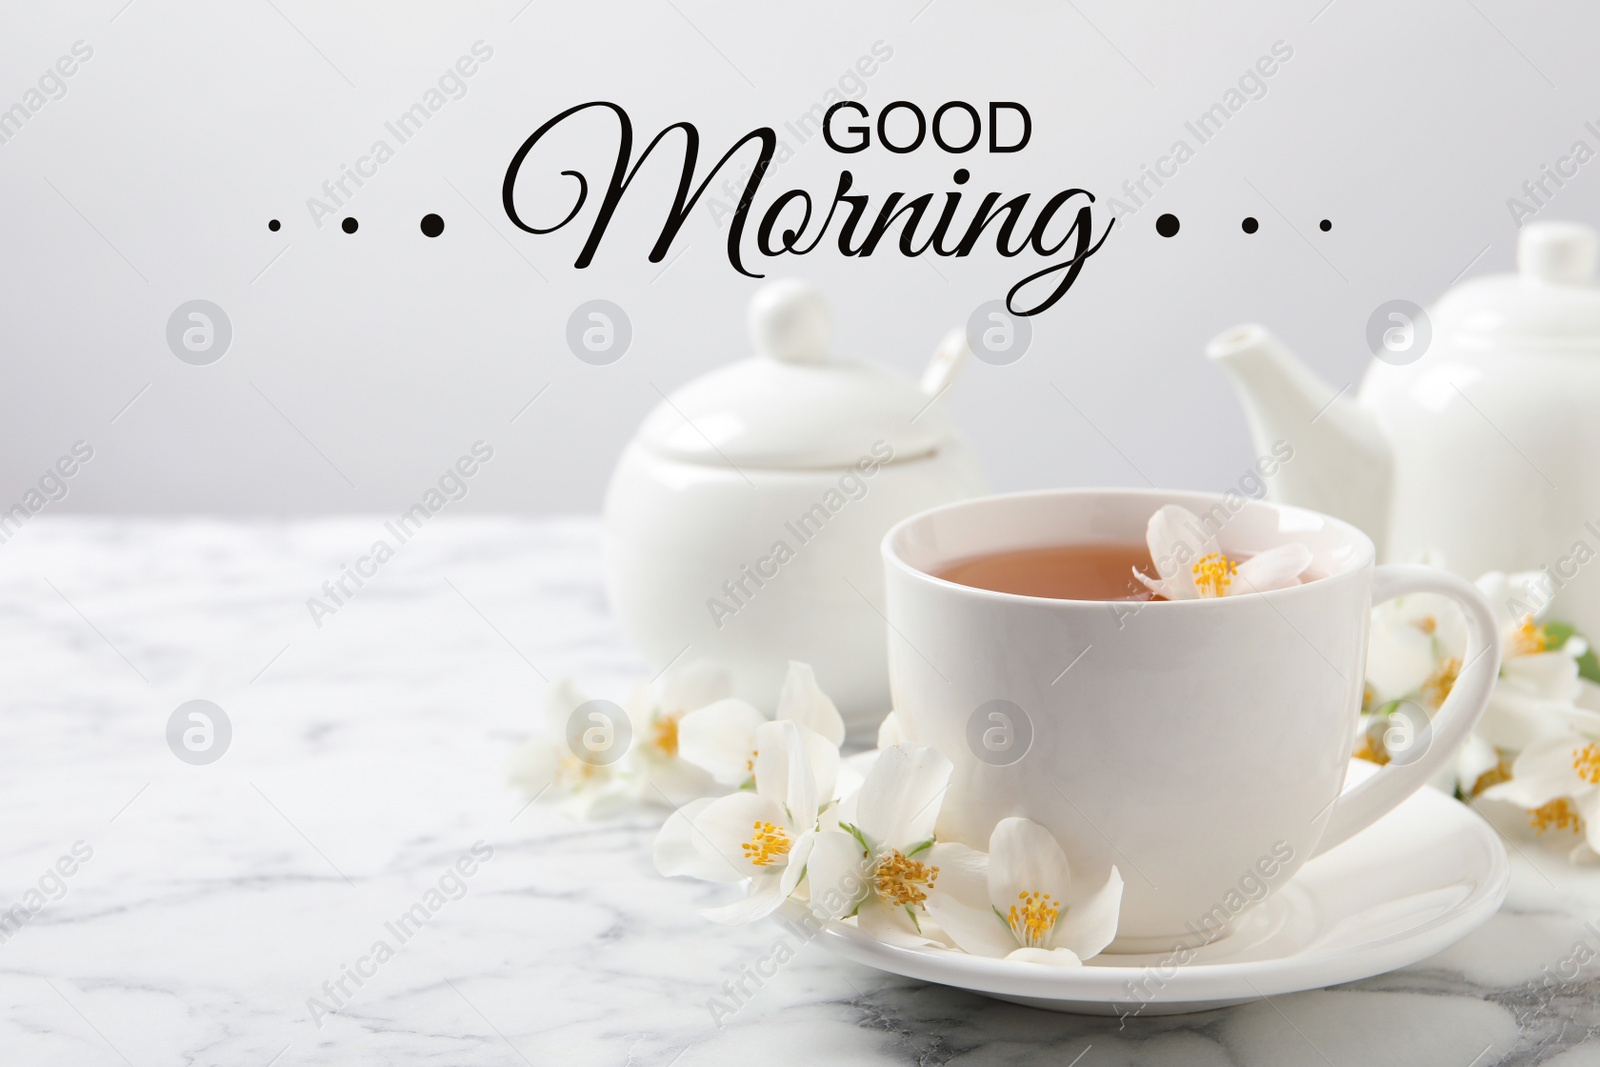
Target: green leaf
(1558, 633)
(920, 847)
(1383, 711)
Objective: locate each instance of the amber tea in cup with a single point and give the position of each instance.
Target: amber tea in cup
(1091, 571)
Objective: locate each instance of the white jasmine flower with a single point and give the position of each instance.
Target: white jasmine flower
(1022, 900)
(1415, 654)
(761, 837)
(1191, 565)
(1535, 696)
(878, 869)
(545, 768)
(597, 781)
(1558, 783)
(1478, 766)
(721, 737)
(660, 774)
(1414, 650)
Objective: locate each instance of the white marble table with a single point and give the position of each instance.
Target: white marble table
(367, 759)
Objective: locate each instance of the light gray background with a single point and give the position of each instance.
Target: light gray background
(151, 182)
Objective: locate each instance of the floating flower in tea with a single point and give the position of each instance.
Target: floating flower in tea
(1191, 565)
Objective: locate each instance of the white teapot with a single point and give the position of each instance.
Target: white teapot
(1483, 444)
(743, 520)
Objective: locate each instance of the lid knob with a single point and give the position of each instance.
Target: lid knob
(789, 321)
(1559, 252)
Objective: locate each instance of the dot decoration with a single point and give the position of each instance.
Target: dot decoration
(1167, 225)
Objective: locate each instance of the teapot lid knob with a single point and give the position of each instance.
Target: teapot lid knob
(789, 321)
(1560, 252)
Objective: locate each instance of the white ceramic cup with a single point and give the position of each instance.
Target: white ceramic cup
(1199, 745)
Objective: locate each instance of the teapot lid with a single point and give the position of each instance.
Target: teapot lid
(1552, 298)
(793, 405)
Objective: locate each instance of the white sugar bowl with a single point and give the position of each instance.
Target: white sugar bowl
(742, 522)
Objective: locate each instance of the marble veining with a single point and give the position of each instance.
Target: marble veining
(231, 913)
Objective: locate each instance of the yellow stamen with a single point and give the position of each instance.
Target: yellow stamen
(1372, 753)
(1586, 761)
(750, 764)
(1033, 917)
(1500, 772)
(769, 842)
(572, 771)
(1529, 638)
(1441, 681)
(1427, 624)
(1556, 815)
(664, 732)
(901, 880)
(1214, 572)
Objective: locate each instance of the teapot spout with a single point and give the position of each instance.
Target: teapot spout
(1339, 461)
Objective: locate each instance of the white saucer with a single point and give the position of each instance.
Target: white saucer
(1407, 887)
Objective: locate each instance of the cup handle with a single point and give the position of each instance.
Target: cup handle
(1359, 807)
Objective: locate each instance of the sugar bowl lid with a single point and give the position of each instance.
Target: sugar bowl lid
(794, 405)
